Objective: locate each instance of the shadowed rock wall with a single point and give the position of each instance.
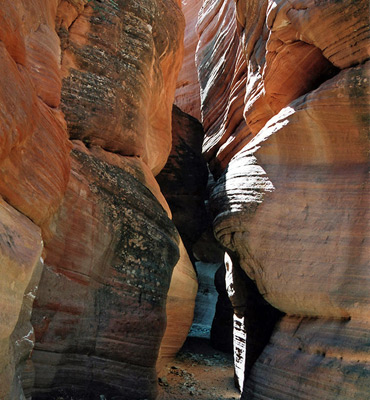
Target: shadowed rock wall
(102, 73)
(285, 108)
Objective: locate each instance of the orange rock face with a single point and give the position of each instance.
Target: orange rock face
(292, 202)
(120, 64)
(223, 90)
(111, 68)
(99, 314)
(21, 265)
(179, 309)
(34, 169)
(187, 95)
(34, 164)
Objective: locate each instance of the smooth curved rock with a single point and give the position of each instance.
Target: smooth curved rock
(34, 162)
(221, 68)
(324, 176)
(187, 95)
(99, 315)
(179, 309)
(291, 202)
(34, 170)
(313, 359)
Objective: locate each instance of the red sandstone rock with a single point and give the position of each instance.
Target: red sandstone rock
(34, 168)
(34, 135)
(187, 96)
(20, 266)
(222, 83)
(99, 315)
(120, 64)
(292, 203)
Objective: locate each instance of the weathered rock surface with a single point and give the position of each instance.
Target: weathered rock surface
(115, 246)
(222, 82)
(313, 359)
(318, 188)
(120, 62)
(100, 311)
(187, 95)
(291, 198)
(21, 264)
(34, 169)
(103, 291)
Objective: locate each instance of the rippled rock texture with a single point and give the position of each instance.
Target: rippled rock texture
(103, 74)
(34, 169)
(187, 96)
(285, 94)
(100, 311)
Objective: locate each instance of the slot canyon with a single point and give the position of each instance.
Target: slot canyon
(176, 166)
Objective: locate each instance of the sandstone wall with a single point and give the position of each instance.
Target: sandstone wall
(285, 103)
(34, 169)
(100, 310)
(102, 74)
(187, 95)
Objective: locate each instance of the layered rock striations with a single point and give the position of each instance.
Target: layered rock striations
(34, 169)
(100, 310)
(291, 201)
(120, 63)
(180, 307)
(187, 95)
(222, 82)
(115, 256)
(105, 72)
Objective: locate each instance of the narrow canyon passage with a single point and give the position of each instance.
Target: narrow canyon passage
(200, 370)
(184, 200)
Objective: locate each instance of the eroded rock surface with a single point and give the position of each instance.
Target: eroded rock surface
(120, 62)
(187, 96)
(34, 147)
(21, 265)
(111, 247)
(34, 169)
(179, 309)
(291, 197)
(100, 311)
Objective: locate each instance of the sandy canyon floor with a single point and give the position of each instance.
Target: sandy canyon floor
(199, 372)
